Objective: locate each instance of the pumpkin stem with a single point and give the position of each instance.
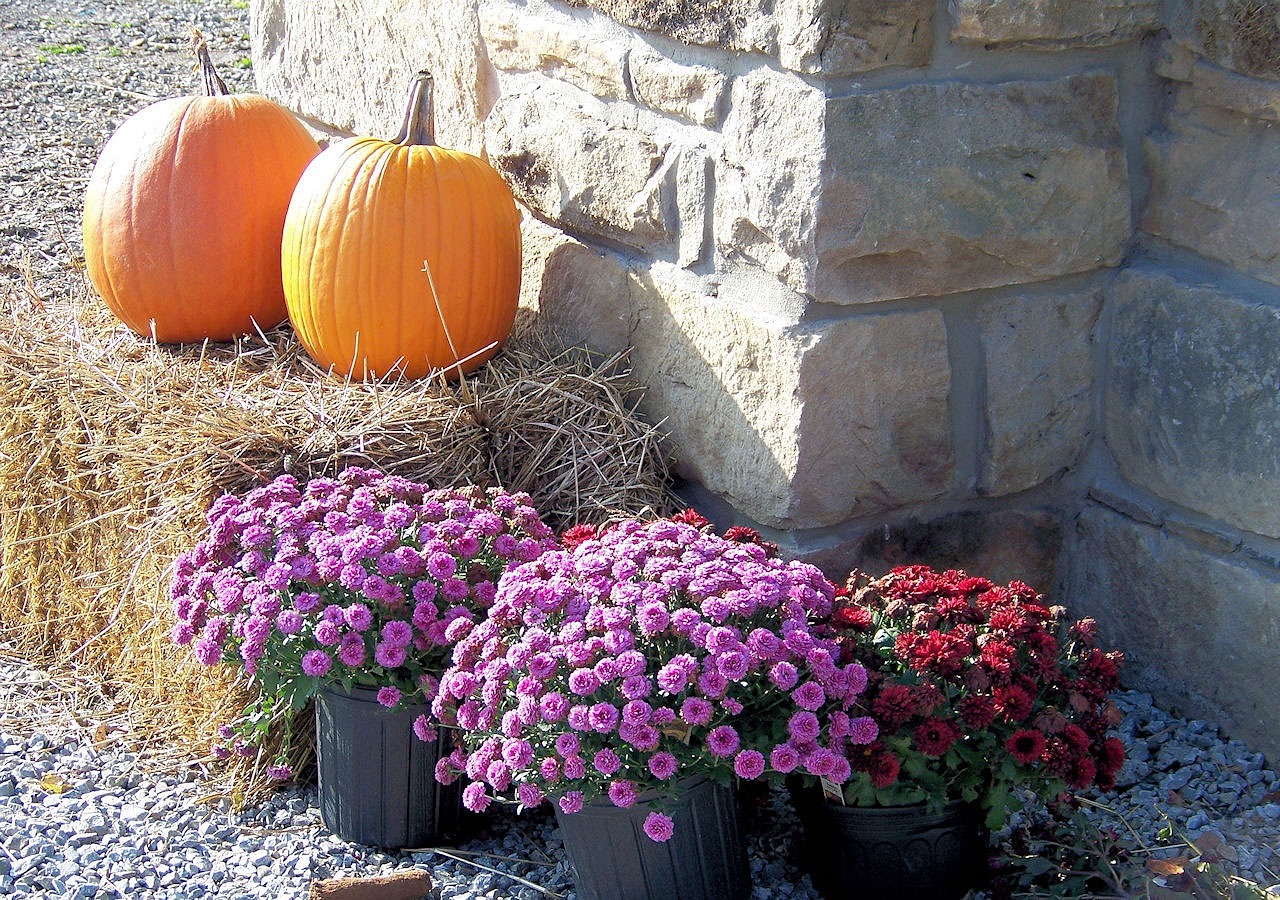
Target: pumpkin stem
(419, 128)
(214, 86)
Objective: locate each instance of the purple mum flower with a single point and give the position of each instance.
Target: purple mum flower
(351, 650)
(809, 695)
(423, 729)
(604, 717)
(398, 633)
(326, 633)
(606, 762)
(571, 802)
(663, 765)
(316, 663)
(622, 793)
(389, 656)
(784, 758)
(696, 711)
(749, 764)
(863, 730)
(723, 740)
(659, 827)
(474, 797)
(358, 616)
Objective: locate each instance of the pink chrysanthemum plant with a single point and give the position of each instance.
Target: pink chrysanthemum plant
(364, 579)
(976, 688)
(647, 654)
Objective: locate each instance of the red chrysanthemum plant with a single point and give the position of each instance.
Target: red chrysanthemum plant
(976, 688)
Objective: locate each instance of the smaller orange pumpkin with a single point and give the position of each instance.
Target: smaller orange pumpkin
(401, 257)
(184, 211)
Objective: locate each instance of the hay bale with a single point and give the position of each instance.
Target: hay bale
(112, 449)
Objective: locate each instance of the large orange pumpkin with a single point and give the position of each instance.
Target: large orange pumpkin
(401, 257)
(185, 208)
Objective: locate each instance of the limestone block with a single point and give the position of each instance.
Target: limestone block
(795, 425)
(693, 92)
(580, 294)
(1237, 35)
(935, 188)
(770, 175)
(1194, 397)
(557, 46)
(571, 165)
(1212, 186)
(349, 64)
(1256, 97)
(693, 179)
(1076, 23)
(825, 37)
(1202, 633)
(1038, 356)
(1003, 545)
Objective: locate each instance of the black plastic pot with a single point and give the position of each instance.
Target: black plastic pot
(902, 852)
(376, 779)
(705, 859)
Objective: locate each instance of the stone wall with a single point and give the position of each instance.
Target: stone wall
(979, 282)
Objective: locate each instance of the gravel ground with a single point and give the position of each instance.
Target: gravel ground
(80, 817)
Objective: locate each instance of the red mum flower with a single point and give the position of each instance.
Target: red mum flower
(1102, 668)
(576, 535)
(884, 769)
(854, 617)
(998, 657)
(953, 609)
(743, 535)
(926, 698)
(1081, 772)
(893, 706)
(1085, 631)
(1111, 757)
(977, 711)
(692, 517)
(1013, 702)
(1076, 738)
(973, 585)
(934, 737)
(1025, 745)
(1008, 618)
(939, 652)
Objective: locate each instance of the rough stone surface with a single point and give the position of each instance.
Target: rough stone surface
(1212, 187)
(771, 176)
(1236, 34)
(571, 166)
(1214, 86)
(557, 47)
(1089, 23)
(1201, 632)
(693, 179)
(796, 426)
(936, 188)
(1003, 545)
(692, 92)
(349, 65)
(1037, 354)
(1194, 398)
(815, 36)
(580, 294)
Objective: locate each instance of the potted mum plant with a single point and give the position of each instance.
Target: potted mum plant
(351, 591)
(976, 689)
(630, 681)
